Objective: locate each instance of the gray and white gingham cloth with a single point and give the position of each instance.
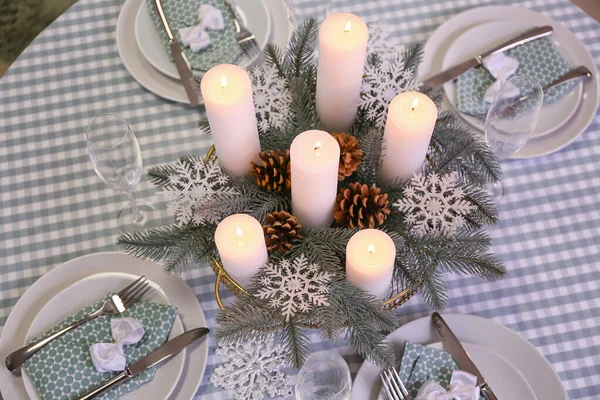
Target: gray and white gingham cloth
(54, 208)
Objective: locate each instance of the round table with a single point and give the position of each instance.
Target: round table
(55, 208)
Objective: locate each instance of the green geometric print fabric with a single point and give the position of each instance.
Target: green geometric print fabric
(63, 369)
(184, 13)
(420, 364)
(538, 59)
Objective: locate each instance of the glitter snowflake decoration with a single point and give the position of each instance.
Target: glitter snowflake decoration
(434, 205)
(192, 186)
(381, 41)
(272, 98)
(253, 369)
(294, 286)
(381, 83)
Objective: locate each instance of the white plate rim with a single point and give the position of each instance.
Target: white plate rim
(178, 292)
(574, 96)
(438, 43)
(171, 72)
(178, 325)
(366, 384)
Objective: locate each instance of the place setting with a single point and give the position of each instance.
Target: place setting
(348, 175)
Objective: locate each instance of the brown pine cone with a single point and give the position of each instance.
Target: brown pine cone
(350, 154)
(274, 173)
(280, 230)
(361, 206)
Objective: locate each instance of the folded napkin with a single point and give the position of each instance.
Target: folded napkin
(64, 369)
(421, 364)
(538, 59)
(223, 47)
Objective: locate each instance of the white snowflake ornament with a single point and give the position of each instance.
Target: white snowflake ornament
(272, 98)
(381, 40)
(191, 186)
(253, 369)
(294, 286)
(381, 84)
(434, 205)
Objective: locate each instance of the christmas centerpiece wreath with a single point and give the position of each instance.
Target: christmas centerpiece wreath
(433, 219)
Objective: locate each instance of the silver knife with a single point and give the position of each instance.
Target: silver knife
(457, 70)
(158, 355)
(463, 359)
(181, 61)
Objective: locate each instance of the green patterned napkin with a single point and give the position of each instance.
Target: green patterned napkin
(420, 364)
(64, 370)
(184, 13)
(538, 59)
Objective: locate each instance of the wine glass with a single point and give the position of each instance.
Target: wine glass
(511, 119)
(117, 159)
(324, 376)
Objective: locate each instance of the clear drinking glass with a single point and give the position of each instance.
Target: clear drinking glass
(324, 376)
(511, 119)
(116, 156)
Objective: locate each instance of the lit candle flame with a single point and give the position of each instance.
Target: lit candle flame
(239, 233)
(317, 148)
(371, 249)
(224, 85)
(415, 103)
(348, 27)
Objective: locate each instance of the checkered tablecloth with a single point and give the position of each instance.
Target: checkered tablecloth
(54, 208)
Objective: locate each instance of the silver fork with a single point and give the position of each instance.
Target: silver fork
(115, 305)
(246, 39)
(394, 388)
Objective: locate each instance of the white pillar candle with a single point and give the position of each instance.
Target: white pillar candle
(370, 257)
(408, 128)
(314, 158)
(342, 51)
(242, 248)
(227, 93)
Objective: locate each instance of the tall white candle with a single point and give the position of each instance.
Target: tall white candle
(314, 158)
(241, 245)
(342, 51)
(408, 128)
(227, 93)
(370, 256)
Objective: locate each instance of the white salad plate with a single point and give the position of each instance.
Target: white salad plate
(173, 290)
(514, 368)
(445, 35)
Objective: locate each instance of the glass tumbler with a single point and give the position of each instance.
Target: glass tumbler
(324, 376)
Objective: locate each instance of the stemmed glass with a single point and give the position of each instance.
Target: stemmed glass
(117, 159)
(511, 119)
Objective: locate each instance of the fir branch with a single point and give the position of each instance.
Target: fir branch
(371, 143)
(245, 318)
(294, 339)
(326, 247)
(434, 290)
(204, 125)
(303, 109)
(299, 54)
(485, 212)
(274, 57)
(412, 56)
(159, 175)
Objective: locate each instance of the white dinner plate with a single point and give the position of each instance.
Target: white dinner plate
(442, 38)
(507, 350)
(87, 291)
(506, 381)
(485, 36)
(282, 26)
(254, 16)
(49, 285)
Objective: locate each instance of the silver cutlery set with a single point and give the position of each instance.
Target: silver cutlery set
(113, 306)
(394, 387)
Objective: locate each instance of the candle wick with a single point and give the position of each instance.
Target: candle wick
(371, 249)
(317, 148)
(347, 27)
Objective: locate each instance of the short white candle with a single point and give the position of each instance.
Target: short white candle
(342, 52)
(227, 94)
(370, 256)
(314, 158)
(410, 121)
(242, 248)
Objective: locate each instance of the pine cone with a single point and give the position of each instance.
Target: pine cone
(274, 173)
(350, 154)
(280, 230)
(361, 206)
